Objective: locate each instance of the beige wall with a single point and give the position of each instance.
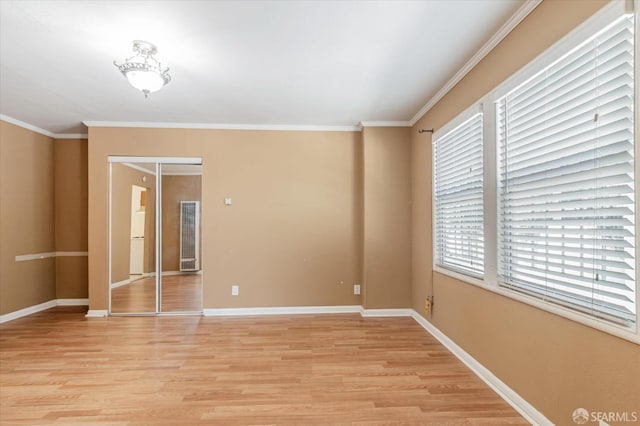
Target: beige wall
(293, 234)
(70, 207)
(387, 217)
(122, 179)
(26, 218)
(175, 188)
(554, 363)
(43, 193)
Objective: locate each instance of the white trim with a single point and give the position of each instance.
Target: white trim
(35, 256)
(72, 302)
(27, 126)
(96, 313)
(27, 311)
(301, 310)
(385, 124)
(170, 273)
(46, 255)
(369, 313)
(120, 283)
(508, 26)
(218, 126)
(41, 307)
(140, 169)
(41, 131)
(293, 310)
(159, 160)
(528, 411)
(71, 136)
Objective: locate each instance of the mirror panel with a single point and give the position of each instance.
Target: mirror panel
(181, 283)
(133, 238)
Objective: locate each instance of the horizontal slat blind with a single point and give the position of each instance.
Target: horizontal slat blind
(566, 180)
(458, 204)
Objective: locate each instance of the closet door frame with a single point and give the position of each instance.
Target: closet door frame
(158, 162)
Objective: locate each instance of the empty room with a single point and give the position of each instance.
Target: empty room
(357, 212)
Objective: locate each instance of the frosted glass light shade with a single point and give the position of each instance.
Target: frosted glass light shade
(146, 81)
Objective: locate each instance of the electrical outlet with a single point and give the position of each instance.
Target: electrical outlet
(235, 290)
(356, 289)
(227, 201)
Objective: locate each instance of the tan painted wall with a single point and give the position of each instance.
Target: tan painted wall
(123, 178)
(292, 234)
(554, 363)
(175, 189)
(26, 218)
(387, 217)
(70, 200)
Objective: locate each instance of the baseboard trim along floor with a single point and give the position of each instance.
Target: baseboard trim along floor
(41, 307)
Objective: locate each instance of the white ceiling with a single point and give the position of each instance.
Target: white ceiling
(261, 63)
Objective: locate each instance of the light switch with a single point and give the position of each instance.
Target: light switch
(227, 201)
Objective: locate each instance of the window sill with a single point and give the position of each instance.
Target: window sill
(584, 319)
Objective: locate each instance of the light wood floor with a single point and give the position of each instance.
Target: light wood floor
(180, 293)
(57, 367)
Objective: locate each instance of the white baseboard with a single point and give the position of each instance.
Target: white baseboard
(293, 310)
(120, 283)
(96, 313)
(169, 273)
(41, 307)
(527, 410)
(386, 312)
(72, 302)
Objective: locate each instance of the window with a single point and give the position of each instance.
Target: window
(566, 202)
(458, 203)
(535, 198)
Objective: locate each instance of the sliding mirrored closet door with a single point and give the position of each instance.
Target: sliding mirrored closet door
(154, 235)
(181, 286)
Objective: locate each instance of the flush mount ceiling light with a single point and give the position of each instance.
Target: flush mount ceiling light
(143, 71)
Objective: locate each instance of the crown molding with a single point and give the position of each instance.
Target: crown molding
(27, 126)
(214, 126)
(385, 124)
(508, 26)
(71, 136)
(43, 132)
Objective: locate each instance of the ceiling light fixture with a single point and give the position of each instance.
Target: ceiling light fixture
(143, 71)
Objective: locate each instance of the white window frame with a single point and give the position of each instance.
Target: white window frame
(460, 119)
(591, 26)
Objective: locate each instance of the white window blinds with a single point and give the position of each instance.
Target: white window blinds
(566, 180)
(458, 202)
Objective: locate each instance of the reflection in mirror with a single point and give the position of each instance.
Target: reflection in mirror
(133, 261)
(181, 284)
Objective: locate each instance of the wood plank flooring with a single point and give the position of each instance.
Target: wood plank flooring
(57, 367)
(180, 293)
